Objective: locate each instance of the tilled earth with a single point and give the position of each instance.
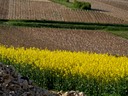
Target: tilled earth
(43, 10)
(64, 39)
(13, 84)
(115, 8)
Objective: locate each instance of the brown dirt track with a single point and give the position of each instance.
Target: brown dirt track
(64, 39)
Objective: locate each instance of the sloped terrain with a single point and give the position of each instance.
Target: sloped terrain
(64, 39)
(115, 8)
(42, 10)
(95, 41)
(13, 84)
(4, 8)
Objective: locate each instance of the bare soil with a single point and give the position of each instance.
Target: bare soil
(117, 3)
(64, 39)
(4, 8)
(104, 11)
(115, 8)
(43, 10)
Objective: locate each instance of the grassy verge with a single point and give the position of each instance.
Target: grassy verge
(123, 34)
(94, 74)
(117, 29)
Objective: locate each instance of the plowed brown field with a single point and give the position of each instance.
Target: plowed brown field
(116, 3)
(64, 39)
(4, 8)
(115, 8)
(31, 9)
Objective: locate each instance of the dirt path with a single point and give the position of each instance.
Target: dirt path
(62, 39)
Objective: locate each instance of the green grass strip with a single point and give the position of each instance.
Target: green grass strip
(117, 29)
(75, 25)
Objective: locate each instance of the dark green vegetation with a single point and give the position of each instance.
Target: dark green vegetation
(64, 2)
(46, 79)
(123, 34)
(82, 5)
(117, 29)
(75, 5)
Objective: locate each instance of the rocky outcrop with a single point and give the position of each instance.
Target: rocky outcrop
(13, 84)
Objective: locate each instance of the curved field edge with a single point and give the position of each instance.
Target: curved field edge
(91, 73)
(19, 9)
(64, 39)
(111, 10)
(116, 28)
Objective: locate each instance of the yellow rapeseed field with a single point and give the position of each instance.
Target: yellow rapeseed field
(100, 66)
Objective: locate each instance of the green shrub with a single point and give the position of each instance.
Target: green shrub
(67, 0)
(82, 5)
(114, 94)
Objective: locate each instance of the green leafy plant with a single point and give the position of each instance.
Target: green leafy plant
(82, 5)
